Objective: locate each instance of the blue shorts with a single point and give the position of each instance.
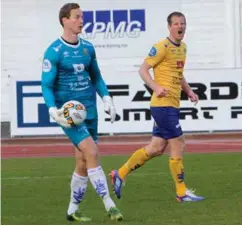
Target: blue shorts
(78, 133)
(166, 124)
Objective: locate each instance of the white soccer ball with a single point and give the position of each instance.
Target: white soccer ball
(74, 112)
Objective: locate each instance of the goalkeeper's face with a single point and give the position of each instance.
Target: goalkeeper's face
(177, 27)
(75, 21)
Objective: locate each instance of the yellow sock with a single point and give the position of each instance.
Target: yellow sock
(176, 167)
(138, 158)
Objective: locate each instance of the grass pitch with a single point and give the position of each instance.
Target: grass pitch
(36, 191)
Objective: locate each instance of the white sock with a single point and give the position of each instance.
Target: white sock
(99, 182)
(78, 189)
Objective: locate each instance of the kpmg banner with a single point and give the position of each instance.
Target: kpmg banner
(219, 108)
(123, 30)
(119, 29)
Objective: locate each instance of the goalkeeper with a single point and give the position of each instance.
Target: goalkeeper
(70, 72)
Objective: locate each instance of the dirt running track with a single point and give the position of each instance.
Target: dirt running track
(115, 145)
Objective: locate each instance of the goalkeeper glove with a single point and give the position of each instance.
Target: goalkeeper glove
(57, 115)
(109, 107)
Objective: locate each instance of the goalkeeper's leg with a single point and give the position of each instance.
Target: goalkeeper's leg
(78, 187)
(81, 138)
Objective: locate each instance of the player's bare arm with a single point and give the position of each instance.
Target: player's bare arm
(147, 78)
(187, 89)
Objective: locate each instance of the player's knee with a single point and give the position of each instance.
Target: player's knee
(90, 153)
(155, 149)
(182, 144)
(177, 147)
(159, 150)
(80, 161)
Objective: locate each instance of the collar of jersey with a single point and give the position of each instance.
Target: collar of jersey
(175, 44)
(70, 45)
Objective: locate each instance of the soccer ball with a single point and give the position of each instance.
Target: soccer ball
(74, 112)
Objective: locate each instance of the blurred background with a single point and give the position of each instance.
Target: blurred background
(37, 160)
(123, 33)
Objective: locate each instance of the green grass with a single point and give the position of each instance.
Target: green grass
(36, 191)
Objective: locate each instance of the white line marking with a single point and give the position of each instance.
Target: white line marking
(132, 174)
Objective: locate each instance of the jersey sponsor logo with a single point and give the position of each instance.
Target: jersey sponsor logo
(80, 78)
(46, 67)
(78, 68)
(113, 23)
(177, 80)
(173, 51)
(152, 52)
(77, 54)
(180, 64)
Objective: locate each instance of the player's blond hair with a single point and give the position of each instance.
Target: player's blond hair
(178, 14)
(65, 11)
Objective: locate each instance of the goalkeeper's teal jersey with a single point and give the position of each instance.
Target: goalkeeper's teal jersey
(71, 72)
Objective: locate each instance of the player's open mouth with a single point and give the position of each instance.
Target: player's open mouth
(180, 32)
